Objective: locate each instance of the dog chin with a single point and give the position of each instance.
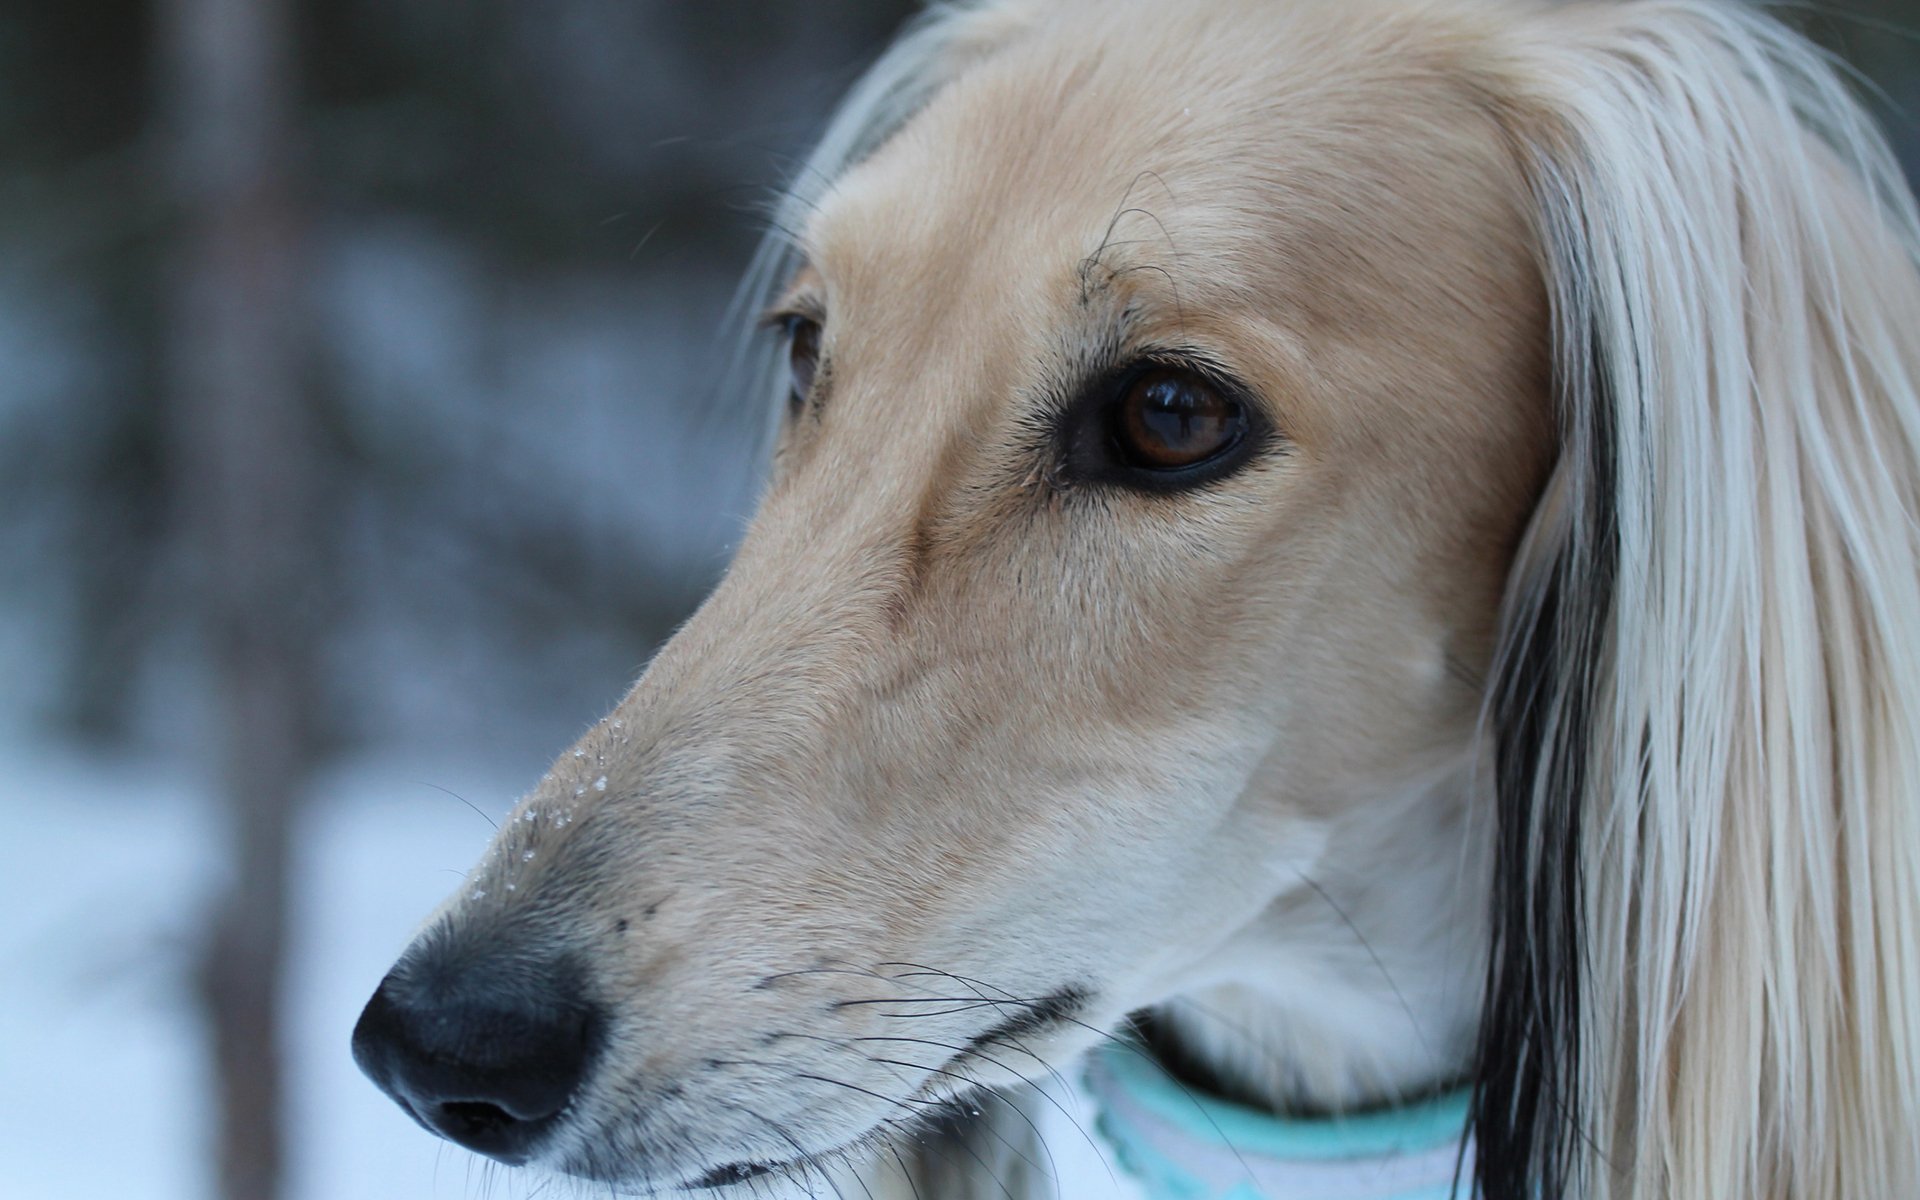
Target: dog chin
(601, 1156)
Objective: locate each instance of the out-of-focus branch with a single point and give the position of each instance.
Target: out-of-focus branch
(240, 457)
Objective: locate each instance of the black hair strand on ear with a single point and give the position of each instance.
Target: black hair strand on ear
(1526, 1113)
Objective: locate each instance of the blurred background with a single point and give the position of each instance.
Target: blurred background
(362, 430)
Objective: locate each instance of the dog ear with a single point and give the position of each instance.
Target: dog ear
(1705, 973)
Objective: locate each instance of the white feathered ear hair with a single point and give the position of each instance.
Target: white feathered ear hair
(1705, 979)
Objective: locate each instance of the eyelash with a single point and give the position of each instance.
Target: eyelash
(783, 321)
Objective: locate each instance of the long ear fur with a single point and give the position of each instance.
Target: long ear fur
(1706, 973)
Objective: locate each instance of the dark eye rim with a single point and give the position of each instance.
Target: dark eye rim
(786, 325)
(1089, 452)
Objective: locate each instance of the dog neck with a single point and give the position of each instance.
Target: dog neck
(1327, 1050)
(1358, 987)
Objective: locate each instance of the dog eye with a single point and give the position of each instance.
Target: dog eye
(803, 357)
(1173, 420)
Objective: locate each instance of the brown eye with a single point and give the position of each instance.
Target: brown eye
(803, 356)
(1169, 420)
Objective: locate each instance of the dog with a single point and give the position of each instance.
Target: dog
(1383, 534)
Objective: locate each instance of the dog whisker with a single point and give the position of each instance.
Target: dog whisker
(1379, 964)
(806, 1157)
(1052, 1170)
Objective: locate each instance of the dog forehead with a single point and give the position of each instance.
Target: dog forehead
(1011, 179)
(1221, 161)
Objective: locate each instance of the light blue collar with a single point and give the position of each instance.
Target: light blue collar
(1182, 1145)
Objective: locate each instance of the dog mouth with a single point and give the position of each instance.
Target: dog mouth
(1034, 1017)
(737, 1173)
(746, 1171)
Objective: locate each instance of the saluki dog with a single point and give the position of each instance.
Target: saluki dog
(1359, 548)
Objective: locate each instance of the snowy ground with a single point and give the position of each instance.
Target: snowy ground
(99, 1045)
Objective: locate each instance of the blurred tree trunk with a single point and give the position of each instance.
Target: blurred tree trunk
(240, 464)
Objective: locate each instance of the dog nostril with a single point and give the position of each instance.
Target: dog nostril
(473, 1119)
(479, 1054)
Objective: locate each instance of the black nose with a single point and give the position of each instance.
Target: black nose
(485, 1053)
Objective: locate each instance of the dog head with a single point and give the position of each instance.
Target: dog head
(1168, 388)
